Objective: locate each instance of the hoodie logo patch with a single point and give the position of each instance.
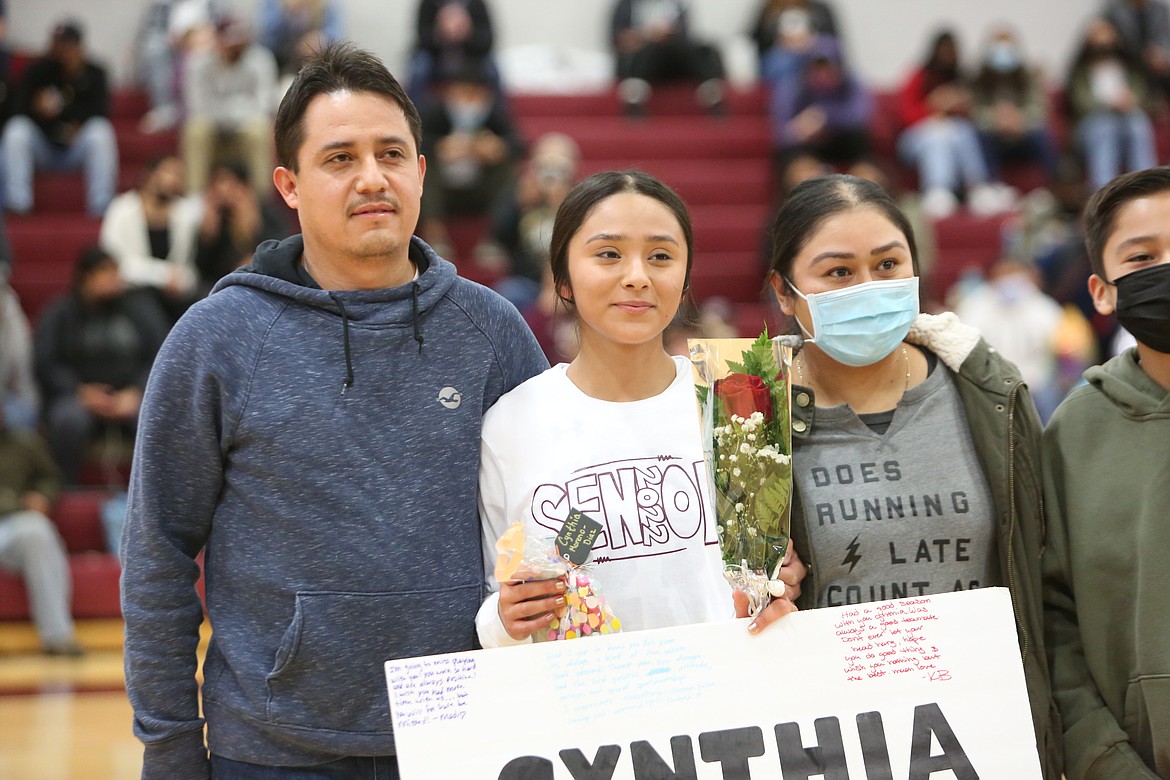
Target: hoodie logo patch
(450, 397)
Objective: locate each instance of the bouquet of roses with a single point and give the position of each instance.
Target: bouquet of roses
(744, 393)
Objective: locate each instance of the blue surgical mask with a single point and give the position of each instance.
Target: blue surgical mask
(860, 325)
(467, 116)
(1003, 57)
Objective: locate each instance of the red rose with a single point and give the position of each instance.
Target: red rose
(743, 394)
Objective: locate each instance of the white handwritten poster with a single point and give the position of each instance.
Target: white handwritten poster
(927, 688)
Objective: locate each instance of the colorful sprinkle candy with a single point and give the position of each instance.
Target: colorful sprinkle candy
(585, 612)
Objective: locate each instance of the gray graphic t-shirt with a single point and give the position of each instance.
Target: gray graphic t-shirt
(898, 514)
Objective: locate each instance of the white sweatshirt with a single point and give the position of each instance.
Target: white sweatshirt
(636, 467)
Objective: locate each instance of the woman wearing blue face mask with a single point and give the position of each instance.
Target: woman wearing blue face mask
(915, 444)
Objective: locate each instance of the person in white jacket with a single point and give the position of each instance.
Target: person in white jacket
(152, 231)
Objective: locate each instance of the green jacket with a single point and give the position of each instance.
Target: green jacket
(1106, 573)
(1006, 432)
(25, 466)
(1079, 91)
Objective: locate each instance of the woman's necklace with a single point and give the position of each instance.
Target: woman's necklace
(905, 359)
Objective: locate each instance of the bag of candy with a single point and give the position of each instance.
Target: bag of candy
(524, 556)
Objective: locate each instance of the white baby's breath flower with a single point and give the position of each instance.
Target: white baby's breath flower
(739, 507)
(735, 472)
(751, 437)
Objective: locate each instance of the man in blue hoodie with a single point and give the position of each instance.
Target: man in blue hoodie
(312, 428)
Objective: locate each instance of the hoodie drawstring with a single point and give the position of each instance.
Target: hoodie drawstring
(345, 341)
(414, 288)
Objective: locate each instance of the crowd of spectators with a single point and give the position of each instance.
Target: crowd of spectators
(214, 78)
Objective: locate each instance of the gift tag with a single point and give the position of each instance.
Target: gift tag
(576, 537)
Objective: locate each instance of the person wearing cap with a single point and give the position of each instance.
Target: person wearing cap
(61, 121)
(231, 95)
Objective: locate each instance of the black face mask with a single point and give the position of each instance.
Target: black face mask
(1143, 305)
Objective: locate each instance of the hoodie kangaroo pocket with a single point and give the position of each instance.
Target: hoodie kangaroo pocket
(1147, 720)
(328, 672)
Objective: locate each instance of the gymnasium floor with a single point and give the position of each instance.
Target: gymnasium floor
(65, 719)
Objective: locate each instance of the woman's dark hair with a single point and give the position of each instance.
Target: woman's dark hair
(939, 71)
(582, 199)
(1101, 211)
(1086, 53)
(812, 202)
(339, 67)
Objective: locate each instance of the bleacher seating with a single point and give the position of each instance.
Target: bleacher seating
(721, 167)
(46, 243)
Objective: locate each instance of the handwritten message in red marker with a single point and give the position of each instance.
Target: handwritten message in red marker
(891, 638)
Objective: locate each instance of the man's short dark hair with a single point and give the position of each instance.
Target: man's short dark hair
(338, 67)
(1101, 211)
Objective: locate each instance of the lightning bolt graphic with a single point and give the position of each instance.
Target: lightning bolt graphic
(852, 557)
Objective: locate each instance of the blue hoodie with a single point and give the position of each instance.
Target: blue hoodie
(321, 449)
